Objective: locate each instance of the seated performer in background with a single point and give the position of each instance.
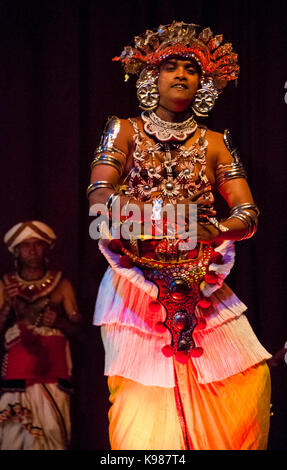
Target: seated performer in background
(185, 368)
(38, 311)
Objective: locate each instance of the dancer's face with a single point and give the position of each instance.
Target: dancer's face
(177, 83)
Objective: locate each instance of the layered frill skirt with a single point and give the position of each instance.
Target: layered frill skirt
(220, 400)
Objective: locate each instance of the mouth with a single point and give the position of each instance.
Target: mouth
(180, 86)
(34, 259)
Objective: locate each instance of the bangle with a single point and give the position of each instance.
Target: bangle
(103, 159)
(226, 173)
(221, 228)
(242, 212)
(111, 200)
(108, 148)
(98, 185)
(244, 207)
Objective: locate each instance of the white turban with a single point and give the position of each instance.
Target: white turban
(31, 229)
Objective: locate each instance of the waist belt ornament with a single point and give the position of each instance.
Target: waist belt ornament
(178, 285)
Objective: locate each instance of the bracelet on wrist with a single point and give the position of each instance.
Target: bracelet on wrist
(221, 228)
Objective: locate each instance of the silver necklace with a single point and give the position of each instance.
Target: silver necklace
(166, 131)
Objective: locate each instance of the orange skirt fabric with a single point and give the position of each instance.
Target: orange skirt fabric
(232, 414)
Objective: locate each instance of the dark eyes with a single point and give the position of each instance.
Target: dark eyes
(26, 246)
(171, 68)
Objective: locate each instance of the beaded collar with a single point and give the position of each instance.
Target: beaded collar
(166, 131)
(33, 290)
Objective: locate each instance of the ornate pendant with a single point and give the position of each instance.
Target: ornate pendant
(179, 301)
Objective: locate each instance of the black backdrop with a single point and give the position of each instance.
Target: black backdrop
(58, 85)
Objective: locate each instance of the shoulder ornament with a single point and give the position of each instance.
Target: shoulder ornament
(106, 149)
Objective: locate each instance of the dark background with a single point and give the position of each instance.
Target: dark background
(58, 84)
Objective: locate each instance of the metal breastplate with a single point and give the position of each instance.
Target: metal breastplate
(169, 170)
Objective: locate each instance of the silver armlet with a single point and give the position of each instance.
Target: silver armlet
(109, 135)
(106, 146)
(232, 170)
(103, 159)
(242, 212)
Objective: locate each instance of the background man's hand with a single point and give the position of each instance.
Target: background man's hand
(49, 318)
(11, 291)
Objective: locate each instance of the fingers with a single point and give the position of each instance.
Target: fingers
(206, 211)
(204, 195)
(201, 192)
(49, 317)
(203, 211)
(11, 290)
(206, 232)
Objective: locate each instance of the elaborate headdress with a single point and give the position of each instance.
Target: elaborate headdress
(25, 230)
(218, 62)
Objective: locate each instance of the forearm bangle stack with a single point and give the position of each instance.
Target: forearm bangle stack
(242, 212)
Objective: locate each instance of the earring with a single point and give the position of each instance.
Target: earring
(147, 91)
(205, 97)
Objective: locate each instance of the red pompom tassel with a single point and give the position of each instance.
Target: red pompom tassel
(211, 278)
(196, 352)
(115, 246)
(201, 324)
(154, 306)
(216, 243)
(167, 351)
(160, 327)
(126, 262)
(204, 303)
(216, 258)
(181, 356)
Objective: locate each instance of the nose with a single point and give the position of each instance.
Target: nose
(181, 73)
(32, 249)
